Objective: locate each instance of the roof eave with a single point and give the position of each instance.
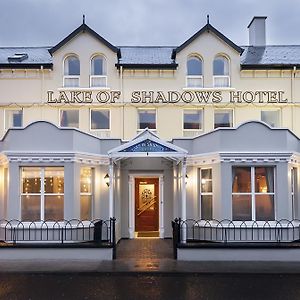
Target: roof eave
(207, 28)
(269, 66)
(27, 66)
(83, 28)
(172, 66)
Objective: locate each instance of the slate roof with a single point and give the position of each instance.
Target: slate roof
(37, 56)
(146, 56)
(277, 57)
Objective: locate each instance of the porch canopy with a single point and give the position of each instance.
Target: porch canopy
(147, 144)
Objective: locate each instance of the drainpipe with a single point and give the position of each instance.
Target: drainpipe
(292, 93)
(122, 93)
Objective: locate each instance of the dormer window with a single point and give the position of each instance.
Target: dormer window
(71, 71)
(194, 78)
(221, 71)
(98, 76)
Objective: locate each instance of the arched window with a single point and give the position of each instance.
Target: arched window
(194, 76)
(71, 71)
(221, 71)
(98, 76)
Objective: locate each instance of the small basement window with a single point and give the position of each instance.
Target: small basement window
(18, 57)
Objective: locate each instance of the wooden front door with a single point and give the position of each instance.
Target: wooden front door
(146, 204)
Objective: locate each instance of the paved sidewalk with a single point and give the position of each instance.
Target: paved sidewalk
(146, 256)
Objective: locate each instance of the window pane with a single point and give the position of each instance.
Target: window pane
(223, 118)
(206, 173)
(206, 207)
(54, 208)
(13, 118)
(54, 180)
(241, 180)
(220, 66)
(194, 66)
(270, 117)
(264, 180)
(147, 118)
(31, 208)
(192, 119)
(85, 207)
(264, 207)
(241, 207)
(85, 180)
(72, 66)
(69, 118)
(71, 82)
(97, 66)
(31, 180)
(100, 119)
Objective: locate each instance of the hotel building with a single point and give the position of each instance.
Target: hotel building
(205, 130)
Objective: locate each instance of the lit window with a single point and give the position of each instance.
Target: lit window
(42, 193)
(271, 117)
(194, 72)
(253, 193)
(13, 118)
(221, 72)
(223, 118)
(192, 119)
(100, 119)
(206, 195)
(86, 193)
(146, 118)
(98, 76)
(71, 71)
(69, 118)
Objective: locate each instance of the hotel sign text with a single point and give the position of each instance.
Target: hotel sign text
(213, 96)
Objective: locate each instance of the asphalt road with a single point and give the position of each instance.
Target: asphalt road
(148, 286)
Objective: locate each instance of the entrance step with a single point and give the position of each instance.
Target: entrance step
(147, 234)
(145, 249)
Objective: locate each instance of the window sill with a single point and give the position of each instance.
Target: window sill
(209, 89)
(83, 89)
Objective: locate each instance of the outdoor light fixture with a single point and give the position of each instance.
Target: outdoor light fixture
(186, 178)
(106, 179)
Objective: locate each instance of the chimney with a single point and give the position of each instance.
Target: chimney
(257, 31)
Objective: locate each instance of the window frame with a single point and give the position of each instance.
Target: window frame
(42, 194)
(253, 193)
(294, 182)
(5, 117)
(70, 76)
(202, 123)
(99, 109)
(59, 117)
(200, 77)
(225, 109)
(205, 193)
(278, 110)
(92, 193)
(104, 75)
(215, 77)
(138, 119)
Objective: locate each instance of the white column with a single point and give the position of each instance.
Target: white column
(131, 207)
(111, 189)
(183, 200)
(183, 189)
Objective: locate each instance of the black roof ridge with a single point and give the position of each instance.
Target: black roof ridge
(31, 47)
(207, 28)
(147, 46)
(83, 28)
(272, 45)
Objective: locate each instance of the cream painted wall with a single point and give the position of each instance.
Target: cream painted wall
(28, 89)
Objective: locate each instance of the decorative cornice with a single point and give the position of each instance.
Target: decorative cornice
(255, 157)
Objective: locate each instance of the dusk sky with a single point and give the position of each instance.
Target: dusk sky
(144, 22)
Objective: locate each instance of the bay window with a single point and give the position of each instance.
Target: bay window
(253, 193)
(42, 193)
(206, 194)
(86, 193)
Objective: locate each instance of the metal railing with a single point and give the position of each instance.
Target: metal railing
(100, 232)
(190, 231)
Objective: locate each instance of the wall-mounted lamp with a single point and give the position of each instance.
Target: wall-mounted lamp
(186, 178)
(106, 179)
